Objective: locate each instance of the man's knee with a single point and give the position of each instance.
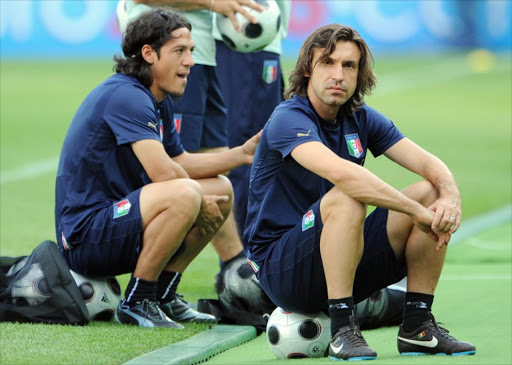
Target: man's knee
(225, 185)
(337, 203)
(186, 194)
(423, 192)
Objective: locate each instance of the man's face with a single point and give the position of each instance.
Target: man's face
(333, 79)
(171, 68)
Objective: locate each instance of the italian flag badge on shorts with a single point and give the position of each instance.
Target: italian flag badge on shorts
(122, 208)
(308, 220)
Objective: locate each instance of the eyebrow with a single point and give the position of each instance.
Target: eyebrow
(184, 45)
(349, 63)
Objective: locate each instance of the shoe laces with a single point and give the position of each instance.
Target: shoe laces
(356, 339)
(443, 332)
(179, 297)
(151, 309)
(354, 336)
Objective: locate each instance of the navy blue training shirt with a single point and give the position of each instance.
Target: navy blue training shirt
(97, 165)
(280, 189)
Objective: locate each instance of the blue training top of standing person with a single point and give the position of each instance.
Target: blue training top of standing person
(281, 190)
(97, 165)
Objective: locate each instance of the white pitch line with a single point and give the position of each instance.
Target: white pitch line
(429, 74)
(492, 277)
(485, 244)
(425, 75)
(473, 226)
(30, 170)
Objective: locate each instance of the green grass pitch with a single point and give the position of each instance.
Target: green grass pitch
(459, 110)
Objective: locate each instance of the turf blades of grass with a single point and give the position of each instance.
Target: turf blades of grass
(97, 343)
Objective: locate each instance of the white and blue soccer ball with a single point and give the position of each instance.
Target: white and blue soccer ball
(102, 295)
(126, 16)
(30, 286)
(293, 335)
(251, 37)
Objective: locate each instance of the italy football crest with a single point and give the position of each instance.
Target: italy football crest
(269, 71)
(161, 124)
(122, 208)
(308, 220)
(177, 122)
(354, 145)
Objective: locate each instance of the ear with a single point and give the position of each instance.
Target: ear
(148, 53)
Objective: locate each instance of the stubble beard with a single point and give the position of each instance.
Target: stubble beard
(175, 94)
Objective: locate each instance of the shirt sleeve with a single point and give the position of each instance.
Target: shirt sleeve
(131, 115)
(382, 133)
(290, 128)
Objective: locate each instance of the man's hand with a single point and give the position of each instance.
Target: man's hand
(447, 214)
(229, 8)
(249, 147)
(210, 218)
(424, 221)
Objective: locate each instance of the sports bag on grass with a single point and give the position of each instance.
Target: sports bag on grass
(40, 289)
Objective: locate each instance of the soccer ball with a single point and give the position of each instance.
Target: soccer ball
(124, 17)
(251, 37)
(102, 295)
(239, 289)
(294, 335)
(30, 286)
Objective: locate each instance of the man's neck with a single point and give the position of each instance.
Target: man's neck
(329, 114)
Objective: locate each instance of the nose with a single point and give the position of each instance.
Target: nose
(338, 74)
(188, 60)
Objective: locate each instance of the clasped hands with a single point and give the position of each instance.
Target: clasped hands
(210, 217)
(441, 220)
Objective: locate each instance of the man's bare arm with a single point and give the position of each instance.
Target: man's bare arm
(156, 162)
(448, 210)
(204, 165)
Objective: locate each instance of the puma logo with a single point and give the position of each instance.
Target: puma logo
(152, 125)
(304, 134)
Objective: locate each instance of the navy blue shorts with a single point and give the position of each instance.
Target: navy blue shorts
(292, 273)
(252, 86)
(200, 114)
(111, 244)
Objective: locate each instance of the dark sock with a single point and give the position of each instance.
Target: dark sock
(223, 264)
(167, 284)
(138, 290)
(417, 310)
(340, 311)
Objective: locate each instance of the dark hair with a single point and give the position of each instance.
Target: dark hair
(153, 28)
(325, 38)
